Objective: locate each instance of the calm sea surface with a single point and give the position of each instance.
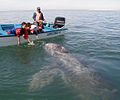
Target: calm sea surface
(93, 38)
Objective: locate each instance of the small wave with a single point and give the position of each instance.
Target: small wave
(81, 26)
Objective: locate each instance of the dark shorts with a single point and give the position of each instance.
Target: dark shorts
(36, 31)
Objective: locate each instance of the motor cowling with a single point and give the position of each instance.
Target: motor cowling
(59, 22)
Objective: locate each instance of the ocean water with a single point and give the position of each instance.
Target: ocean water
(93, 38)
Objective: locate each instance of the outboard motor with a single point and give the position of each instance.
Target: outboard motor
(59, 22)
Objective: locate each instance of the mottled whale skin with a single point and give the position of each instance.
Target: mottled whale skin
(74, 73)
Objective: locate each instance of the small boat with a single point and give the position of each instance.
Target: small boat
(50, 30)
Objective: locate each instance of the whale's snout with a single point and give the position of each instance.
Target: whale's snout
(54, 48)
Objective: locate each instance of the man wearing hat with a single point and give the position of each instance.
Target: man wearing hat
(38, 17)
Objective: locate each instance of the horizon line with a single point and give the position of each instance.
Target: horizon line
(65, 9)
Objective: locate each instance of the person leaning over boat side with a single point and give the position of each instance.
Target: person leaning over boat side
(38, 17)
(37, 30)
(23, 31)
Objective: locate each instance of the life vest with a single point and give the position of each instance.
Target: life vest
(38, 16)
(21, 31)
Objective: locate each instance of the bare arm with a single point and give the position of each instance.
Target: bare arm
(31, 43)
(18, 41)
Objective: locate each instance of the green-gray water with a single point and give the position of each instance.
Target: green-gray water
(93, 38)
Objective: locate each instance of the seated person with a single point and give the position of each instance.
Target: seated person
(23, 31)
(38, 17)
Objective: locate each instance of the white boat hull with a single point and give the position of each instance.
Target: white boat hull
(7, 41)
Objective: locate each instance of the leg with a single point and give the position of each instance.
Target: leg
(36, 32)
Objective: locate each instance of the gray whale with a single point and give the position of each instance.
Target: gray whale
(74, 73)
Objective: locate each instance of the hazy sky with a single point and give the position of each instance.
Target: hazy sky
(59, 4)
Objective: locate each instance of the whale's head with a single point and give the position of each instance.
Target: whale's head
(54, 49)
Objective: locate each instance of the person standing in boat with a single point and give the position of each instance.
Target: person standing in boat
(23, 31)
(38, 17)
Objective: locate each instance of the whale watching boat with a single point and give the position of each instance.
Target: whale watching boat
(49, 30)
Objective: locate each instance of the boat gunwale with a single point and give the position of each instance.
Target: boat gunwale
(55, 30)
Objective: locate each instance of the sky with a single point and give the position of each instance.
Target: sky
(6, 5)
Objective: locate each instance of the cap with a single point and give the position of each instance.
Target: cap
(38, 8)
